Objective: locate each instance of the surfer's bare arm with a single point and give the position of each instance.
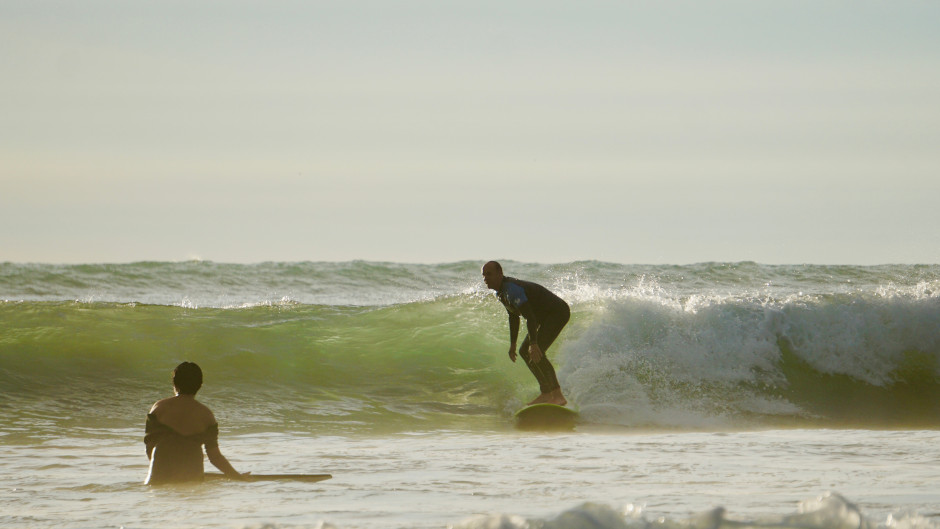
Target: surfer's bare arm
(219, 461)
(215, 455)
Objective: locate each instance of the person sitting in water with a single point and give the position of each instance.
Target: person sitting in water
(177, 427)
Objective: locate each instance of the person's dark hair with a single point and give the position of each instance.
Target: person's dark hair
(187, 378)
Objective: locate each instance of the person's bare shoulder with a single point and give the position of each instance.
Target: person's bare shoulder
(159, 404)
(205, 413)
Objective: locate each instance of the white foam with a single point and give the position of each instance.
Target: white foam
(641, 355)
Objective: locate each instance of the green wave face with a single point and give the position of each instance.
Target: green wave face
(424, 346)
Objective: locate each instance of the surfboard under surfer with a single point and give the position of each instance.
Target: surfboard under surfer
(177, 428)
(545, 315)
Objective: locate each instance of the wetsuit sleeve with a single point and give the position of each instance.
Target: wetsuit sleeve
(513, 327)
(518, 298)
(531, 322)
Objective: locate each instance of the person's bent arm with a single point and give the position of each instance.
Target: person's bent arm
(217, 459)
(531, 322)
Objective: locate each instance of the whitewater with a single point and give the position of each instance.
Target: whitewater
(710, 395)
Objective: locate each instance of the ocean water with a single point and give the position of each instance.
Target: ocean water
(710, 395)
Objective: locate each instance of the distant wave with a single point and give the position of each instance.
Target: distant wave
(205, 284)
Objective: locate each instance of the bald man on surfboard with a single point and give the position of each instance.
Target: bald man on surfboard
(545, 315)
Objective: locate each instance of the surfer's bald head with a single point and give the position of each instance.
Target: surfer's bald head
(493, 275)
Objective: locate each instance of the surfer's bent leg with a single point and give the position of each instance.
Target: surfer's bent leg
(550, 329)
(543, 370)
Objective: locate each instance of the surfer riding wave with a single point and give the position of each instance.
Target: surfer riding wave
(545, 314)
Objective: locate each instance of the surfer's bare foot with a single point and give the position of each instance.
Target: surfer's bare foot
(552, 397)
(555, 397)
(544, 397)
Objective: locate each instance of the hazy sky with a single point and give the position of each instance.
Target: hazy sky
(635, 132)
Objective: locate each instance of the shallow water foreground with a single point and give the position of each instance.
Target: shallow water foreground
(439, 479)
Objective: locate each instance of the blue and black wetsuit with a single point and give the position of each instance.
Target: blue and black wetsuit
(545, 315)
